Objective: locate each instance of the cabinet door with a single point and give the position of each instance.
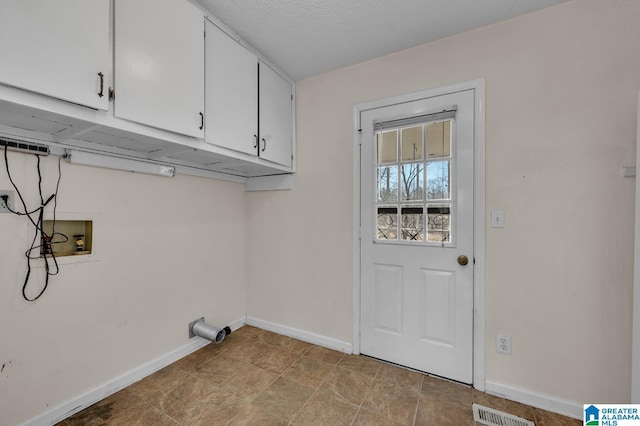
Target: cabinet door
(159, 64)
(275, 117)
(56, 48)
(231, 93)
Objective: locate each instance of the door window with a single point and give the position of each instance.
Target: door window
(414, 202)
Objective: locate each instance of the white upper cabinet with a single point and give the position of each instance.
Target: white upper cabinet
(276, 115)
(159, 64)
(57, 48)
(248, 105)
(231, 93)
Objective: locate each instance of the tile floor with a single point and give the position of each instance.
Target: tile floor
(256, 377)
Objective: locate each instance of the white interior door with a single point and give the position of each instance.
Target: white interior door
(416, 230)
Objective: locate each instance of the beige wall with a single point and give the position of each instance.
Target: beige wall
(561, 87)
(169, 250)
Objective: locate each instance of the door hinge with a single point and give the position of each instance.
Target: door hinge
(112, 94)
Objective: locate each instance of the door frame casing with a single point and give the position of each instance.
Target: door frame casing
(478, 86)
(635, 342)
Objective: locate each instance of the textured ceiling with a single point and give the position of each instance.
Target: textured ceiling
(309, 37)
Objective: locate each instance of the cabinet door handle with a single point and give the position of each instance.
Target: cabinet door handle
(101, 94)
(264, 144)
(255, 145)
(201, 121)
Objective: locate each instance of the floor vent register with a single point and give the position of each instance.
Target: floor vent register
(491, 417)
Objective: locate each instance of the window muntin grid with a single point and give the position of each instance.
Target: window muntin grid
(414, 185)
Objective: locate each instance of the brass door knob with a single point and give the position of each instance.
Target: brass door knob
(463, 260)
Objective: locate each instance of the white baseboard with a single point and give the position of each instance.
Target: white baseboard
(101, 392)
(306, 336)
(545, 402)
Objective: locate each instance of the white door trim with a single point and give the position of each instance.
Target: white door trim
(635, 349)
(478, 219)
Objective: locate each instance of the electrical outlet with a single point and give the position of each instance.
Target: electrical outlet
(11, 201)
(503, 344)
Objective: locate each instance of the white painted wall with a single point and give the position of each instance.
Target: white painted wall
(170, 250)
(561, 88)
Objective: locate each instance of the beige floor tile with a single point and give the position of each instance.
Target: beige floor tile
(172, 399)
(161, 379)
(323, 354)
(326, 409)
(348, 385)
(257, 377)
(218, 369)
(245, 350)
(446, 391)
(433, 412)
(296, 346)
(545, 418)
(392, 401)
(249, 381)
(121, 409)
(106, 410)
(276, 359)
(400, 376)
(283, 399)
(253, 416)
(360, 364)
(214, 349)
(145, 415)
(308, 371)
(273, 339)
(196, 359)
(216, 408)
(248, 331)
(368, 418)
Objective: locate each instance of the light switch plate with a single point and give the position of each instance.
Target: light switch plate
(497, 218)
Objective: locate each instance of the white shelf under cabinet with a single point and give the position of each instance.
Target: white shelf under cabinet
(37, 118)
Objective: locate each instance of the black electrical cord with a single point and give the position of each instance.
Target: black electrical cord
(47, 240)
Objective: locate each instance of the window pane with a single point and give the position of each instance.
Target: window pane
(412, 223)
(388, 183)
(438, 180)
(412, 181)
(439, 140)
(439, 222)
(387, 147)
(412, 144)
(387, 221)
